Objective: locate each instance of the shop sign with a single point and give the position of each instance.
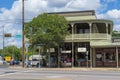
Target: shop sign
(116, 40)
(68, 51)
(105, 50)
(98, 55)
(82, 49)
(52, 49)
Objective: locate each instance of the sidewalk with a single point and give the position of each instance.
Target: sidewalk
(71, 69)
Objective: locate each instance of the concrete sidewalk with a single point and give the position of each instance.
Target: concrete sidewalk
(68, 69)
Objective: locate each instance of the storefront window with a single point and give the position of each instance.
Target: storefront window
(110, 57)
(99, 57)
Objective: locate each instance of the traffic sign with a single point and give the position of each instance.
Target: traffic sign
(18, 36)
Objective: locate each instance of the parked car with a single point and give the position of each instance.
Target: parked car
(17, 62)
(35, 62)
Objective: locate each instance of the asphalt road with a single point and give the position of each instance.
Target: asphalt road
(50, 74)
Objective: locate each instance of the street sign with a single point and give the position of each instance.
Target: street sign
(18, 36)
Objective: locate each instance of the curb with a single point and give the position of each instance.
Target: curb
(68, 69)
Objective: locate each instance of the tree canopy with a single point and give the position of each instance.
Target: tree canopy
(47, 29)
(12, 51)
(116, 34)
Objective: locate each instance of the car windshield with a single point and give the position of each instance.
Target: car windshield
(35, 60)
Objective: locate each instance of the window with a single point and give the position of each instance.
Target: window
(82, 28)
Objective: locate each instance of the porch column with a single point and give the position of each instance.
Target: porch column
(72, 25)
(75, 29)
(107, 29)
(91, 57)
(90, 26)
(94, 57)
(117, 57)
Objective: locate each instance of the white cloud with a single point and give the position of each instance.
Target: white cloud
(34, 7)
(110, 14)
(84, 4)
(117, 27)
(57, 3)
(113, 15)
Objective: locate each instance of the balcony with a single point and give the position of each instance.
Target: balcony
(92, 36)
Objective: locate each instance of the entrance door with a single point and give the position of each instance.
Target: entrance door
(82, 54)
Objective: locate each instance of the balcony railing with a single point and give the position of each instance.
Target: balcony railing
(88, 36)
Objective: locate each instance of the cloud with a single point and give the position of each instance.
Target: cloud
(113, 15)
(110, 14)
(57, 3)
(117, 27)
(84, 4)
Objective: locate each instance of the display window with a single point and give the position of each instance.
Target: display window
(106, 57)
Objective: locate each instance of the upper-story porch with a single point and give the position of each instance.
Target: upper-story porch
(87, 30)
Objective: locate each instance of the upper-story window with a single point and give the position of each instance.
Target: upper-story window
(69, 28)
(82, 28)
(99, 28)
(66, 46)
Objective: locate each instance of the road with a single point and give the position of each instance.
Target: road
(51, 74)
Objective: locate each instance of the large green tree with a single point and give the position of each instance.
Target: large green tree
(47, 29)
(12, 51)
(116, 34)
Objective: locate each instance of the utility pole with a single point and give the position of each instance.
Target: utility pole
(3, 40)
(72, 25)
(23, 55)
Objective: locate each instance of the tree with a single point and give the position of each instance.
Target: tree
(116, 34)
(13, 51)
(47, 29)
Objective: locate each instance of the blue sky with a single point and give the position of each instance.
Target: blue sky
(10, 12)
(6, 3)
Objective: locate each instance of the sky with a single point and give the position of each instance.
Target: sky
(11, 13)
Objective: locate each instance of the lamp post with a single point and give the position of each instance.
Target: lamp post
(23, 34)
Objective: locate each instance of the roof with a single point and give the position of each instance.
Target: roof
(75, 13)
(92, 20)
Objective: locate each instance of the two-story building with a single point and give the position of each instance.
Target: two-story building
(90, 42)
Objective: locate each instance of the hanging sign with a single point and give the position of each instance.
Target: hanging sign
(82, 49)
(66, 51)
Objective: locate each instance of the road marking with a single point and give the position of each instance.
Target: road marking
(4, 74)
(54, 76)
